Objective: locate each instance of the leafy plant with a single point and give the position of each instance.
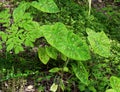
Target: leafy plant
(23, 30)
(115, 84)
(61, 41)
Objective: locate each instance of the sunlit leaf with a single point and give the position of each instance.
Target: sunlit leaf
(18, 49)
(54, 87)
(48, 6)
(66, 41)
(18, 13)
(28, 43)
(99, 42)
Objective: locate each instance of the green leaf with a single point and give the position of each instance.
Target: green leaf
(43, 55)
(19, 12)
(55, 70)
(99, 42)
(62, 86)
(5, 14)
(110, 90)
(54, 87)
(65, 69)
(51, 52)
(3, 35)
(30, 25)
(63, 57)
(5, 17)
(80, 72)
(10, 46)
(28, 43)
(33, 28)
(66, 41)
(115, 83)
(18, 49)
(48, 6)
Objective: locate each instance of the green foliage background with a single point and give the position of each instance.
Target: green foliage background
(70, 39)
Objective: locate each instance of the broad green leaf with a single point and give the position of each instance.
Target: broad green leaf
(19, 12)
(48, 6)
(43, 55)
(54, 87)
(99, 42)
(115, 83)
(54, 70)
(51, 52)
(18, 49)
(80, 72)
(66, 41)
(110, 90)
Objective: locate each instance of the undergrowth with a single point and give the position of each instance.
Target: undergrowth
(59, 46)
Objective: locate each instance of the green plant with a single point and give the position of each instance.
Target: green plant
(23, 31)
(115, 84)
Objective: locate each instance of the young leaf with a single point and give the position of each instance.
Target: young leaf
(54, 87)
(43, 55)
(48, 6)
(99, 42)
(10, 46)
(115, 83)
(54, 70)
(66, 42)
(28, 43)
(80, 72)
(18, 49)
(33, 28)
(18, 13)
(51, 52)
(5, 17)
(3, 35)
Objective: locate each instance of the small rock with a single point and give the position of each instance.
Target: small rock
(30, 88)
